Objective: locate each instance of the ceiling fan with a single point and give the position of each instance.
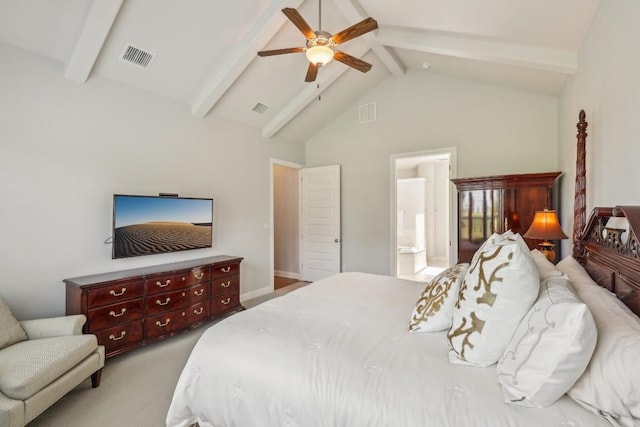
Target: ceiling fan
(320, 46)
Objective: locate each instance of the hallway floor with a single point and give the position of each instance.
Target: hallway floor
(425, 275)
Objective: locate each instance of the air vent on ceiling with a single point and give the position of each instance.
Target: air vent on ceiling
(367, 112)
(136, 56)
(260, 108)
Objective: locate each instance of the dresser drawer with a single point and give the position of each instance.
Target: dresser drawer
(179, 280)
(120, 335)
(165, 323)
(198, 293)
(225, 270)
(195, 276)
(225, 285)
(224, 303)
(110, 315)
(165, 283)
(114, 292)
(198, 312)
(166, 302)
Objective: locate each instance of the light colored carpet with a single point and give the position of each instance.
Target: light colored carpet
(136, 387)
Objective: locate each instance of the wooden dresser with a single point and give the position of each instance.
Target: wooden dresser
(131, 308)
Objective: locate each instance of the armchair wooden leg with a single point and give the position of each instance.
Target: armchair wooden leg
(95, 378)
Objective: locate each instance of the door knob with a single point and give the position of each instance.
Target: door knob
(336, 240)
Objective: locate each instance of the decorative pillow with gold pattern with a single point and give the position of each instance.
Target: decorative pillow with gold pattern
(434, 308)
(498, 289)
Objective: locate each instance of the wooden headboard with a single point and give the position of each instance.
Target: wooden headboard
(609, 252)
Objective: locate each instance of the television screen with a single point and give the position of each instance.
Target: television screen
(146, 225)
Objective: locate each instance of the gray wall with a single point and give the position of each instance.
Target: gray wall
(65, 148)
(495, 130)
(607, 87)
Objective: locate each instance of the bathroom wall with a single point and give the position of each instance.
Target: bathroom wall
(411, 203)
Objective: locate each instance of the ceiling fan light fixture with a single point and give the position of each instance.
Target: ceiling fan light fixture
(319, 55)
(320, 46)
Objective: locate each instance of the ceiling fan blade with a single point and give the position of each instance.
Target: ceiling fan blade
(312, 72)
(355, 30)
(299, 22)
(352, 62)
(280, 51)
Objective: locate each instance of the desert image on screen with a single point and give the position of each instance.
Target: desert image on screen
(146, 226)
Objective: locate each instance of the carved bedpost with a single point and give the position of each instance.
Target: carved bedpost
(579, 202)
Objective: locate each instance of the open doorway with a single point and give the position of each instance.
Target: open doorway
(285, 210)
(421, 213)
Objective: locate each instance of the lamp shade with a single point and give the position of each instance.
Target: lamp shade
(545, 226)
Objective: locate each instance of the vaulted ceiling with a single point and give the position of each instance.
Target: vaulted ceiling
(204, 52)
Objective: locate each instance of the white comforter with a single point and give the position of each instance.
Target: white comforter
(338, 353)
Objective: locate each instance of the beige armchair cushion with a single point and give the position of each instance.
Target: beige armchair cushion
(10, 330)
(29, 366)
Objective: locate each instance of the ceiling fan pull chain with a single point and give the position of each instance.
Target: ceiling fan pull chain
(319, 96)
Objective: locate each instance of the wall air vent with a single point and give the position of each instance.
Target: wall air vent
(260, 108)
(367, 112)
(136, 56)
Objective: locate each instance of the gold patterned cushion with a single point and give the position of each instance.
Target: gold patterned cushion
(10, 330)
(435, 306)
(498, 289)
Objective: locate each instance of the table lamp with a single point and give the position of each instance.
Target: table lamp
(545, 227)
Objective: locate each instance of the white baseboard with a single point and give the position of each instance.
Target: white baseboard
(287, 274)
(255, 294)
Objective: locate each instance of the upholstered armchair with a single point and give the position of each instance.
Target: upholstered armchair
(42, 360)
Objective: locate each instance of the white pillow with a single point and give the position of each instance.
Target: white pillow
(546, 268)
(550, 349)
(497, 291)
(610, 386)
(434, 308)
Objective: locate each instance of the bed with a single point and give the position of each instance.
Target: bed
(348, 351)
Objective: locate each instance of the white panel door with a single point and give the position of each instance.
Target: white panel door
(320, 236)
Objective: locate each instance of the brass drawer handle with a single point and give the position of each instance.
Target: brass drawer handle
(198, 311)
(159, 323)
(226, 269)
(114, 314)
(114, 338)
(226, 301)
(166, 283)
(198, 293)
(199, 275)
(163, 303)
(226, 285)
(117, 294)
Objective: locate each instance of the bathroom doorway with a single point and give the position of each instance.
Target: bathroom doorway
(422, 213)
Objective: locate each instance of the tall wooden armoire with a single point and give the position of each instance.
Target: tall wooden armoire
(495, 204)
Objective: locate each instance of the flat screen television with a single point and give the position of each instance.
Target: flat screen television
(147, 225)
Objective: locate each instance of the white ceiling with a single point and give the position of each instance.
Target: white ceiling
(205, 51)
